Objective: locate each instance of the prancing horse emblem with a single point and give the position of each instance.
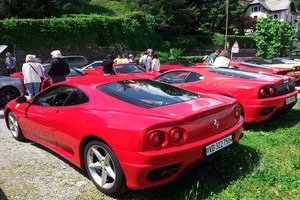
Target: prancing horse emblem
(216, 124)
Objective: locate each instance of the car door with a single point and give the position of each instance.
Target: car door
(70, 119)
(40, 114)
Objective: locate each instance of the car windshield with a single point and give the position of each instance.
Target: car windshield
(128, 68)
(147, 93)
(237, 73)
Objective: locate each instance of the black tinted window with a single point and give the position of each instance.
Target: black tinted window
(147, 93)
(237, 73)
(61, 95)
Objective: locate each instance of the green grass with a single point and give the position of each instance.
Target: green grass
(106, 7)
(266, 165)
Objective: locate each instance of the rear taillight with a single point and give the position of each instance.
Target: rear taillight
(271, 91)
(176, 135)
(262, 92)
(266, 92)
(156, 138)
(297, 68)
(237, 112)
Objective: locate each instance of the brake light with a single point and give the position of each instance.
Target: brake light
(262, 92)
(271, 91)
(156, 138)
(297, 68)
(176, 135)
(237, 112)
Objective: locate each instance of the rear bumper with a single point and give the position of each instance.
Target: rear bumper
(253, 108)
(153, 168)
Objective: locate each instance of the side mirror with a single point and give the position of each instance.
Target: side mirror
(21, 99)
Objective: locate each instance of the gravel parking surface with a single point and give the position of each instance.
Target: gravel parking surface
(29, 171)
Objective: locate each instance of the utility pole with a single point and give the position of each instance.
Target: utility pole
(226, 28)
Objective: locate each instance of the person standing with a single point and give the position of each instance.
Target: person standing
(131, 58)
(118, 59)
(124, 59)
(145, 61)
(108, 63)
(155, 63)
(211, 59)
(32, 73)
(222, 60)
(59, 68)
(10, 63)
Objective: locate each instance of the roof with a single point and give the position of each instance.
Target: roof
(273, 5)
(98, 80)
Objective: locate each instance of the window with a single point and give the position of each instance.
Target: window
(61, 95)
(276, 16)
(194, 77)
(147, 93)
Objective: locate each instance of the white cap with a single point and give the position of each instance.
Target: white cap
(56, 54)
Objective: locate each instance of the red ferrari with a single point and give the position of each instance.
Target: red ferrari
(177, 64)
(127, 132)
(263, 69)
(122, 69)
(261, 96)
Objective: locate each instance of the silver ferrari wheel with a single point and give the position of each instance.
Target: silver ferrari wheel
(103, 168)
(14, 127)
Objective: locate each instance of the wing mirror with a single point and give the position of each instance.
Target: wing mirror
(21, 99)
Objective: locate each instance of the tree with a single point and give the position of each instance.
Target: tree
(173, 16)
(213, 13)
(34, 8)
(274, 38)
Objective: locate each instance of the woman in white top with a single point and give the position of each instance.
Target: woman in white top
(32, 72)
(222, 60)
(155, 64)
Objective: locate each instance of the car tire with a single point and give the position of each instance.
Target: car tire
(14, 127)
(7, 94)
(104, 168)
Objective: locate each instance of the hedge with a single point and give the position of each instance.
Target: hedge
(136, 31)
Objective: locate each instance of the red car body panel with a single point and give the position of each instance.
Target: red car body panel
(127, 69)
(124, 127)
(263, 69)
(245, 90)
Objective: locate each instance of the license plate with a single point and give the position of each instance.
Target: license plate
(290, 100)
(218, 145)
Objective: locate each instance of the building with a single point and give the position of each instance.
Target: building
(284, 10)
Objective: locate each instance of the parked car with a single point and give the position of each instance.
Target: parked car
(128, 69)
(263, 69)
(10, 88)
(73, 61)
(74, 72)
(93, 65)
(277, 63)
(127, 132)
(261, 96)
(177, 64)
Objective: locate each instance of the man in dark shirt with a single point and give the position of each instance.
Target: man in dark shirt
(108, 63)
(58, 67)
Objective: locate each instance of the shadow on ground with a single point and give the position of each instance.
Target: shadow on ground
(290, 119)
(200, 183)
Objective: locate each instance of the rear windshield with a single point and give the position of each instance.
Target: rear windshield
(237, 73)
(147, 93)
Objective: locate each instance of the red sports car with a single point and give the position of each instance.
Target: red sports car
(127, 132)
(177, 64)
(74, 72)
(261, 96)
(263, 69)
(122, 69)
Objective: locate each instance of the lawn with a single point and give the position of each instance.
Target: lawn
(266, 165)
